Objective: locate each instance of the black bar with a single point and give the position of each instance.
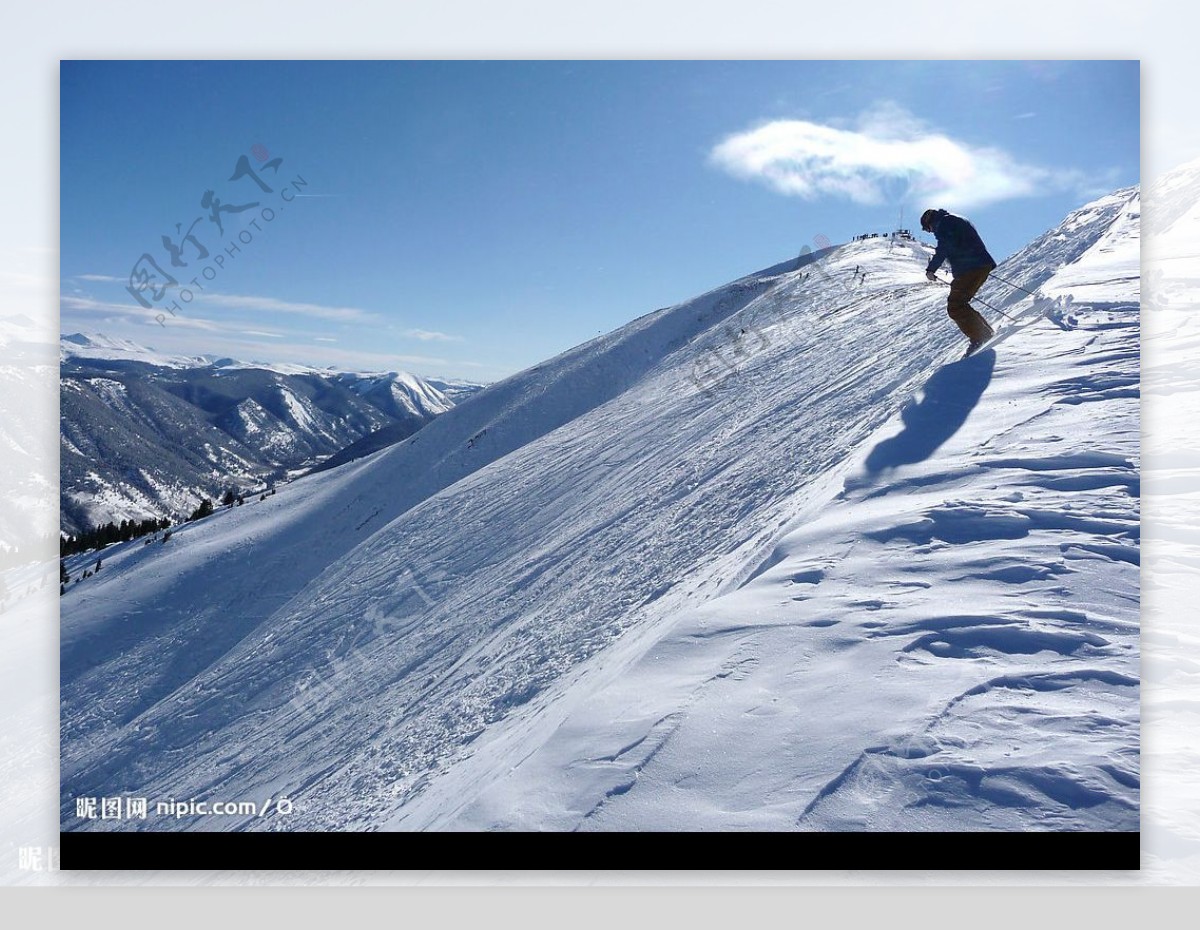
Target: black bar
(922, 852)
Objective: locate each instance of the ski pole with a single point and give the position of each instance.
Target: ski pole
(980, 300)
(996, 309)
(1013, 284)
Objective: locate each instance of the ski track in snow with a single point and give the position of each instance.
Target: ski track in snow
(757, 561)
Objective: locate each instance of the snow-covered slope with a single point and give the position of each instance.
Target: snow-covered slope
(1171, 639)
(755, 560)
(1110, 269)
(950, 642)
(26, 360)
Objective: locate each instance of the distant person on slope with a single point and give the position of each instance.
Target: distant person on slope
(970, 263)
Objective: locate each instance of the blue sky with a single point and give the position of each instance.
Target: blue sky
(469, 219)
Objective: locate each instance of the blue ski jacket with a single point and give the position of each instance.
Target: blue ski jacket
(958, 243)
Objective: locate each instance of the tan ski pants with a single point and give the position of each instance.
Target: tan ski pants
(962, 289)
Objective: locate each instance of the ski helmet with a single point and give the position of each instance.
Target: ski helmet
(927, 219)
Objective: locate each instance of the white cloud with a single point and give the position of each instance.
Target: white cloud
(71, 302)
(88, 312)
(426, 335)
(275, 305)
(261, 304)
(888, 155)
(106, 278)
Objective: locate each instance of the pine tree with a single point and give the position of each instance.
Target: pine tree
(205, 509)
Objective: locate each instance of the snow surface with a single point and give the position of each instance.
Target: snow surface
(759, 560)
(1170, 638)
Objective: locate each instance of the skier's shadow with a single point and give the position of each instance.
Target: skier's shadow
(948, 398)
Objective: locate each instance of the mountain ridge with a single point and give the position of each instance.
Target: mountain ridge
(145, 434)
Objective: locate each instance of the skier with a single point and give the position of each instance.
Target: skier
(970, 263)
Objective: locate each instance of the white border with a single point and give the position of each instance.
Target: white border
(38, 35)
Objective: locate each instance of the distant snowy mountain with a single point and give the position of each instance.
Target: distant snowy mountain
(146, 434)
(456, 389)
(99, 346)
(767, 559)
(399, 392)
